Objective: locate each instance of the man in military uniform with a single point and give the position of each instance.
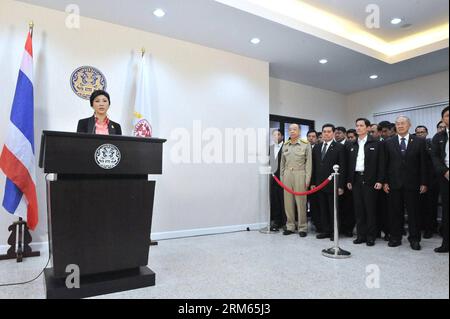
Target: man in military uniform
(296, 168)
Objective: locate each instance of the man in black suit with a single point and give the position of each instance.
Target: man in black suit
(375, 132)
(387, 132)
(313, 200)
(326, 155)
(440, 156)
(351, 135)
(346, 210)
(277, 215)
(429, 200)
(406, 179)
(365, 177)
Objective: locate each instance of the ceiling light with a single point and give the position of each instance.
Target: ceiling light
(323, 61)
(255, 41)
(373, 76)
(159, 13)
(396, 21)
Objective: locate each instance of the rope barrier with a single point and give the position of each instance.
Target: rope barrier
(315, 190)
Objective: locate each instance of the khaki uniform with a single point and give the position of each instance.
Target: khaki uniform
(295, 172)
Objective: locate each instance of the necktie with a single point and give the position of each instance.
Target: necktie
(324, 150)
(403, 146)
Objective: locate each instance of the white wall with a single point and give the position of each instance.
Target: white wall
(420, 91)
(192, 82)
(302, 101)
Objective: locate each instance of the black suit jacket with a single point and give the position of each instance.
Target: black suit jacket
(88, 126)
(410, 171)
(373, 161)
(438, 153)
(432, 176)
(322, 169)
(278, 160)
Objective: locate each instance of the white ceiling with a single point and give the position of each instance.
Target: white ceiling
(421, 14)
(293, 55)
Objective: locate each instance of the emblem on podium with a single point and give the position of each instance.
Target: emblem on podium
(107, 156)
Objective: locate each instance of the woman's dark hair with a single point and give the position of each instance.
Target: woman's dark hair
(97, 93)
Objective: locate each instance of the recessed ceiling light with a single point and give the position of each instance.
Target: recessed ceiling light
(396, 21)
(323, 61)
(373, 76)
(159, 13)
(255, 41)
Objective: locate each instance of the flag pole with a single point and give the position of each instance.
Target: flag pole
(31, 27)
(20, 237)
(152, 243)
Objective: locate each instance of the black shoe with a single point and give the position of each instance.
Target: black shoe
(274, 229)
(441, 250)
(359, 241)
(415, 245)
(302, 234)
(428, 235)
(394, 243)
(323, 236)
(288, 232)
(371, 243)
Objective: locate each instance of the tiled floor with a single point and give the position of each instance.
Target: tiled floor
(253, 265)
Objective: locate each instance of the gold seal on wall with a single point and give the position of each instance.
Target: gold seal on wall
(85, 80)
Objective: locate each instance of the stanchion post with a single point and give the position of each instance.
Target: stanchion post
(336, 252)
(268, 229)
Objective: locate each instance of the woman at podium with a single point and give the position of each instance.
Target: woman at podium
(99, 123)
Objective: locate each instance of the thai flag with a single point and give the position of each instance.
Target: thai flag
(17, 159)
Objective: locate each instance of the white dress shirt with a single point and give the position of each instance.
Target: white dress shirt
(276, 149)
(360, 160)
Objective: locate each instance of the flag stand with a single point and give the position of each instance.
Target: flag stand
(19, 240)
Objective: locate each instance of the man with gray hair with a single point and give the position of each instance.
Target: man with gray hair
(296, 169)
(405, 179)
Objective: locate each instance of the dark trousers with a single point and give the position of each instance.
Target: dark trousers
(326, 203)
(314, 209)
(277, 215)
(365, 201)
(399, 199)
(346, 213)
(429, 209)
(383, 213)
(444, 195)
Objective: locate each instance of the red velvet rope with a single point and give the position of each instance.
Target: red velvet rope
(315, 190)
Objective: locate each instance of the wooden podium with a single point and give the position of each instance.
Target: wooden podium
(99, 211)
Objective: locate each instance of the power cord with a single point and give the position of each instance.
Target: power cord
(29, 281)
